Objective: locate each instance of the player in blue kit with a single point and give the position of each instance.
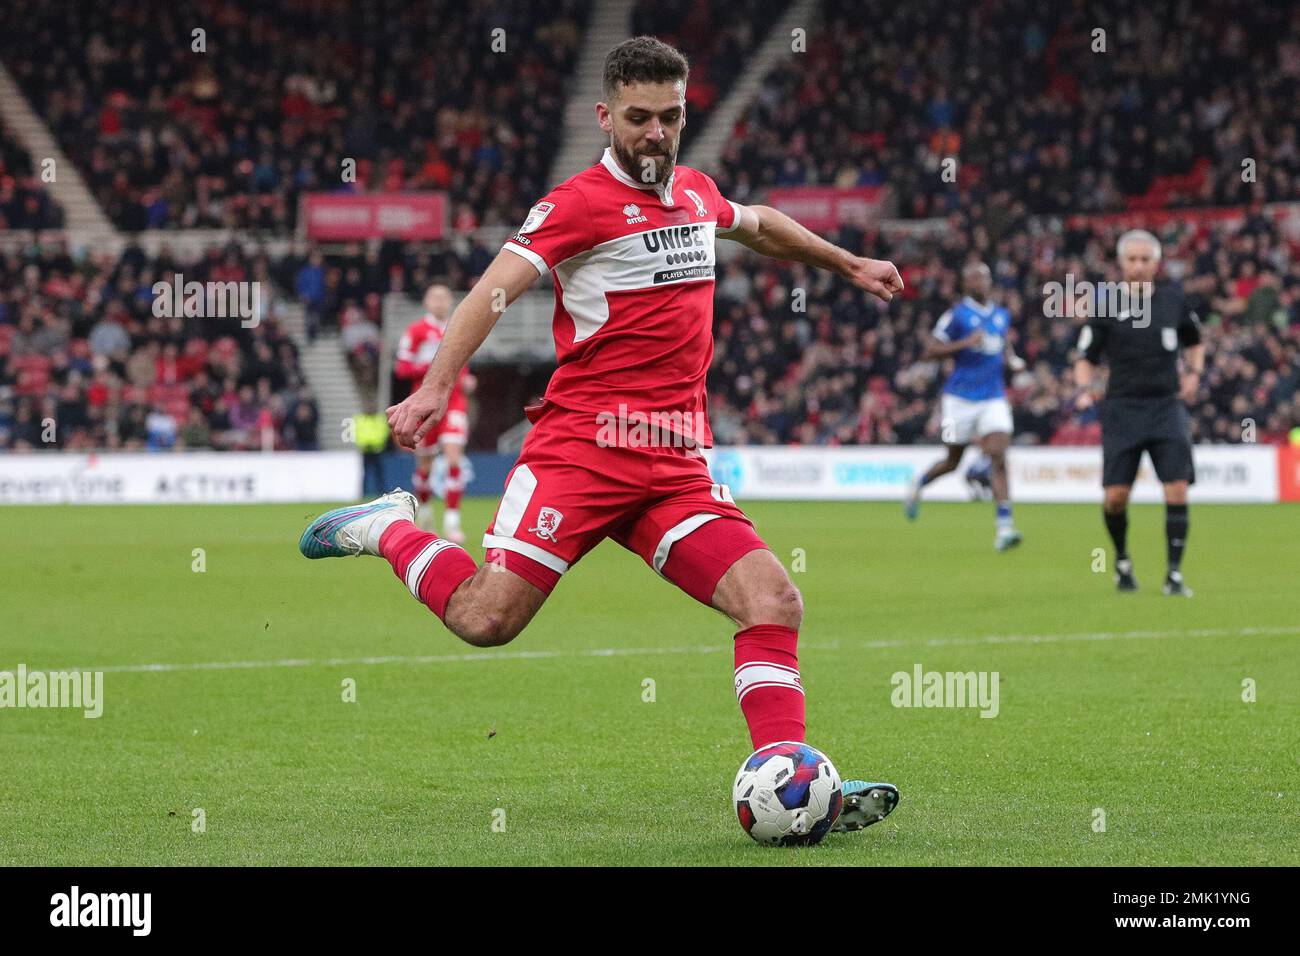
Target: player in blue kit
(973, 333)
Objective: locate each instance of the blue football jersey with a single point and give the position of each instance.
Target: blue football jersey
(977, 373)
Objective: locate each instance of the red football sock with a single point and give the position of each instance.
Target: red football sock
(768, 685)
(421, 482)
(454, 489)
(430, 567)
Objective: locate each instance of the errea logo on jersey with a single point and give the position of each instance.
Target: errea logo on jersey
(633, 213)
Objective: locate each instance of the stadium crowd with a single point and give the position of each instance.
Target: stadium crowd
(1186, 104)
(283, 91)
(24, 201)
(847, 369)
(717, 36)
(85, 363)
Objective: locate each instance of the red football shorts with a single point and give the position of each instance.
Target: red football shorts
(452, 429)
(567, 493)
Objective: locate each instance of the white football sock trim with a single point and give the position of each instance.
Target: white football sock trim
(757, 674)
(415, 570)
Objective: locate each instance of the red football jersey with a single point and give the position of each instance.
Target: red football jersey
(415, 354)
(633, 269)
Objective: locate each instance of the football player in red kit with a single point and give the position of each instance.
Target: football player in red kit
(415, 354)
(615, 447)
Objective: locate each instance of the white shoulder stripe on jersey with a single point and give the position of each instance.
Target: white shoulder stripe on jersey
(538, 262)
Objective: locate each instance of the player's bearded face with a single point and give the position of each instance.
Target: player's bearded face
(648, 162)
(647, 125)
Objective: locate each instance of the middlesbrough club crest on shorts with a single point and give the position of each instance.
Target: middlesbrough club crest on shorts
(548, 521)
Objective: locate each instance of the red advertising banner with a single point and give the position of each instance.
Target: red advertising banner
(1288, 472)
(341, 217)
(826, 207)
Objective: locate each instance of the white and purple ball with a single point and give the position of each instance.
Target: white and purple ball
(787, 794)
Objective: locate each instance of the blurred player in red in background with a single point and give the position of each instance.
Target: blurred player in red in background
(420, 343)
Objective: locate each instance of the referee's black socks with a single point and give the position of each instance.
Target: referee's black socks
(1176, 522)
(1117, 525)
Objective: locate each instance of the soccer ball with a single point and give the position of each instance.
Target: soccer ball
(787, 794)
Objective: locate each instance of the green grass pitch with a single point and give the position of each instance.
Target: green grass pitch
(1127, 703)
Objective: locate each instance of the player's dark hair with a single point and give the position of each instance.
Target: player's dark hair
(643, 60)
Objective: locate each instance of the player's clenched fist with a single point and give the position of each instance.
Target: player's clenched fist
(876, 276)
(414, 416)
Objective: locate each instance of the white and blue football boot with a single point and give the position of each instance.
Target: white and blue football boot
(356, 529)
(912, 501)
(864, 804)
(1006, 539)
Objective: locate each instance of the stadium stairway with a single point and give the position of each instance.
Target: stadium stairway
(582, 140)
(705, 149)
(325, 366)
(82, 215)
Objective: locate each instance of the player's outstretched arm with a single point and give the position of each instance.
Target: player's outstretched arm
(775, 234)
(504, 281)
(936, 349)
(1014, 361)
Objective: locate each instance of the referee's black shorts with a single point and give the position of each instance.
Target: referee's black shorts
(1159, 426)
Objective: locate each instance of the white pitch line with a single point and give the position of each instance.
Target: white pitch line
(1089, 636)
(398, 659)
(699, 649)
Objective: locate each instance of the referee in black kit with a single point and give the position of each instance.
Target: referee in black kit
(1143, 409)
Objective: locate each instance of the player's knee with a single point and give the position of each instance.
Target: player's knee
(782, 604)
(486, 628)
(790, 605)
(479, 623)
